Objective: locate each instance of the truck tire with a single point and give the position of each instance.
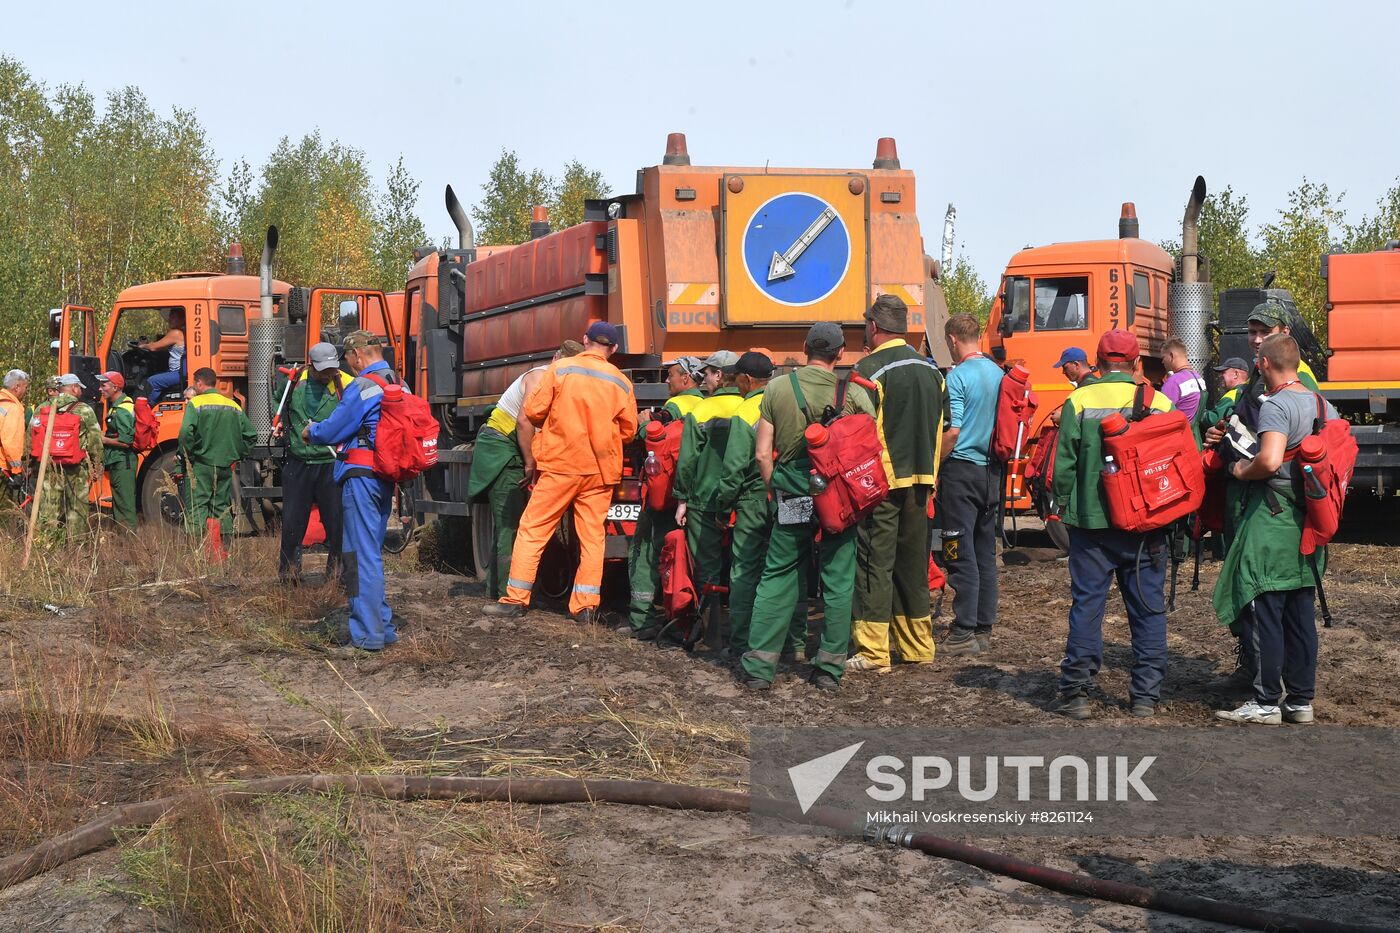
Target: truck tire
(160, 492)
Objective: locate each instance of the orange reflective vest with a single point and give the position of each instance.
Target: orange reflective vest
(585, 411)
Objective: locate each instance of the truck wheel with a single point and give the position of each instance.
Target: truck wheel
(160, 490)
(483, 538)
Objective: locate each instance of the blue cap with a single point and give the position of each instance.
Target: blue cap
(603, 332)
(1072, 355)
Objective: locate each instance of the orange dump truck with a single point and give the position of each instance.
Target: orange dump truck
(1067, 294)
(244, 327)
(696, 260)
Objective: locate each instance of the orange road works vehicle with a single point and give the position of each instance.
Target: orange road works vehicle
(696, 259)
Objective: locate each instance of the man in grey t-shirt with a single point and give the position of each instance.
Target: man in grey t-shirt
(1266, 582)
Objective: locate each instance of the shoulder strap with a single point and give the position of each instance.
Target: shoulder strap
(1142, 401)
(1320, 421)
(842, 388)
(801, 399)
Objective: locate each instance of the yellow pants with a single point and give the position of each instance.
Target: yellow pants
(554, 495)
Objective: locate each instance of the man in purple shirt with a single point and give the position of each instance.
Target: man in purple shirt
(1183, 387)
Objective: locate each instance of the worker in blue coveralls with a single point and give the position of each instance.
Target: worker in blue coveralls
(366, 498)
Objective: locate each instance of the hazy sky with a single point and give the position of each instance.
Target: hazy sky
(1035, 119)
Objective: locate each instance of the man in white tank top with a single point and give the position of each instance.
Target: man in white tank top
(503, 466)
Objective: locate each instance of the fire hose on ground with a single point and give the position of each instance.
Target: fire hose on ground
(103, 831)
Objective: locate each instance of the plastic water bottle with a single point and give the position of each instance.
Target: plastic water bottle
(652, 467)
(816, 483)
(1110, 466)
(1311, 484)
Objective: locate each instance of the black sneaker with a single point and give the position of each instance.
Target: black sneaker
(585, 617)
(1072, 707)
(757, 683)
(646, 632)
(824, 681)
(503, 610)
(333, 627)
(1143, 709)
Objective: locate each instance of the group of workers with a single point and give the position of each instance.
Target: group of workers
(743, 487)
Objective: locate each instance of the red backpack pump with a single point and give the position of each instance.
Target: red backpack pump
(66, 444)
(1152, 469)
(406, 440)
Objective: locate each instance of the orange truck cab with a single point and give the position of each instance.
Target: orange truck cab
(697, 259)
(1066, 295)
(227, 330)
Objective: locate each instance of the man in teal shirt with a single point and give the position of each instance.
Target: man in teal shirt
(308, 472)
(970, 488)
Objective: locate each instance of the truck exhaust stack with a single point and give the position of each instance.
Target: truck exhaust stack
(265, 272)
(1189, 298)
(264, 344)
(466, 239)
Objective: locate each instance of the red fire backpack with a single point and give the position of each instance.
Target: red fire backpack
(147, 427)
(66, 445)
(1016, 405)
(405, 443)
(678, 595)
(1158, 477)
(1330, 453)
(845, 452)
(663, 442)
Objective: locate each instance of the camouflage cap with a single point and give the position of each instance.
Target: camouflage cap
(361, 339)
(1270, 313)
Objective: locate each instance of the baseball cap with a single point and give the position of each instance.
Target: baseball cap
(603, 332)
(825, 336)
(323, 356)
(68, 379)
(1270, 313)
(1118, 345)
(721, 359)
(361, 339)
(691, 364)
(1072, 355)
(115, 378)
(570, 348)
(758, 365)
(1233, 362)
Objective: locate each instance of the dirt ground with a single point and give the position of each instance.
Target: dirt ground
(543, 697)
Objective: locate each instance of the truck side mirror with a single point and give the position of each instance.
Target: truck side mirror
(55, 325)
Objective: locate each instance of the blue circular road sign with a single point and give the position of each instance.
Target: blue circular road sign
(796, 248)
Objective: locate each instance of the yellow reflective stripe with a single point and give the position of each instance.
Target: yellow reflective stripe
(502, 421)
(213, 398)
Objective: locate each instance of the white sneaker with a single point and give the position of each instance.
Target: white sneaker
(1252, 714)
(860, 663)
(1298, 715)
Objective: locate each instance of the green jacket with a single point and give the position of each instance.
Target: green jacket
(121, 424)
(909, 411)
(704, 447)
(1079, 456)
(215, 431)
(677, 406)
(1263, 555)
(312, 401)
(1210, 417)
(91, 432)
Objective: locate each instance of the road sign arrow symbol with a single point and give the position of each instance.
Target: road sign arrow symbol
(782, 265)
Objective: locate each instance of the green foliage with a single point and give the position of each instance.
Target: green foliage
(1295, 244)
(1372, 231)
(96, 197)
(965, 291)
(503, 215)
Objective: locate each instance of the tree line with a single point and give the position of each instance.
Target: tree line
(98, 195)
(1240, 253)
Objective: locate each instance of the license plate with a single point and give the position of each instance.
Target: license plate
(624, 512)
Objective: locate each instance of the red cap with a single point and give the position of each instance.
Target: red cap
(1113, 424)
(1312, 449)
(115, 378)
(816, 435)
(655, 430)
(1118, 345)
(1020, 374)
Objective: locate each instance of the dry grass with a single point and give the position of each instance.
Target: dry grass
(60, 704)
(340, 863)
(41, 799)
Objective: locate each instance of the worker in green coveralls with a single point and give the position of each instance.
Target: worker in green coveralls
(214, 435)
(789, 405)
(118, 455)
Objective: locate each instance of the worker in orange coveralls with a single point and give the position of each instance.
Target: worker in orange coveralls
(584, 410)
